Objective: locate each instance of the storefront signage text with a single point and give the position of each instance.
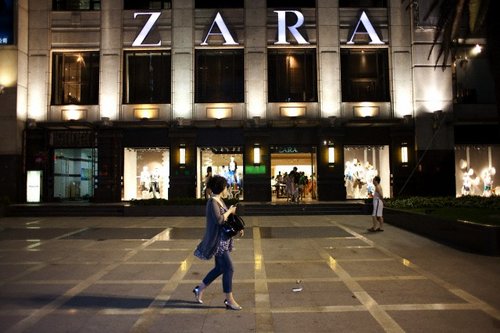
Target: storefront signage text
(282, 29)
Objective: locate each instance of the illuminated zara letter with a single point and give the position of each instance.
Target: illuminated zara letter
(224, 31)
(146, 29)
(293, 29)
(369, 30)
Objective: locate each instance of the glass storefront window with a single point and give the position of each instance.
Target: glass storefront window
(362, 163)
(292, 75)
(147, 77)
(473, 79)
(219, 76)
(75, 78)
(475, 169)
(223, 161)
(146, 173)
(365, 75)
(74, 173)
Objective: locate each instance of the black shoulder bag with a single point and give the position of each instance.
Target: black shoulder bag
(233, 225)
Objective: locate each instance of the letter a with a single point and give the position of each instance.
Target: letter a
(369, 30)
(224, 31)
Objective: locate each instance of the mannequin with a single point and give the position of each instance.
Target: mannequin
(155, 183)
(359, 178)
(348, 171)
(487, 176)
(371, 172)
(145, 182)
(231, 179)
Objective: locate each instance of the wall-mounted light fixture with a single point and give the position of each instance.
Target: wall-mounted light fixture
(292, 111)
(182, 155)
(219, 112)
(404, 154)
(73, 113)
(365, 111)
(331, 155)
(146, 113)
(256, 155)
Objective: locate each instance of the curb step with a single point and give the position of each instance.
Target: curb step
(121, 209)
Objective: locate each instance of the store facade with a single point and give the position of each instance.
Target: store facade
(132, 100)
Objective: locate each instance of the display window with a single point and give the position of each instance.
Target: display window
(475, 170)
(74, 173)
(362, 164)
(222, 161)
(293, 173)
(146, 173)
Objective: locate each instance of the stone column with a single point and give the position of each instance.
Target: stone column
(328, 58)
(182, 59)
(110, 65)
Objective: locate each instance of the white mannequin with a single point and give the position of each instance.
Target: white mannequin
(145, 179)
(155, 182)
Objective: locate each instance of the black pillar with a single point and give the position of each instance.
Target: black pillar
(330, 177)
(257, 180)
(182, 175)
(109, 166)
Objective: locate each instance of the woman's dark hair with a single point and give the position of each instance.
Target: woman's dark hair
(377, 179)
(217, 184)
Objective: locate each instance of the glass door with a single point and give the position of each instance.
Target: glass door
(74, 173)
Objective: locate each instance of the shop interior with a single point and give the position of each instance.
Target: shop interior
(146, 173)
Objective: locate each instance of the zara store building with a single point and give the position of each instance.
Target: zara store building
(111, 100)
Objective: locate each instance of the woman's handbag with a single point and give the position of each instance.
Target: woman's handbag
(233, 225)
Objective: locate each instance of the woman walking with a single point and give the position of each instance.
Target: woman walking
(217, 244)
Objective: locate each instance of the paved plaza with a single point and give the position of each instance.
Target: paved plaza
(292, 274)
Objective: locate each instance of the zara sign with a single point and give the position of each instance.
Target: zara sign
(223, 31)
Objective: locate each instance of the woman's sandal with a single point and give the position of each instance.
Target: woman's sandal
(372, 230)
(197, 294)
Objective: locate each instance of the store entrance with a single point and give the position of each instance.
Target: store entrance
(74, 173)
(293, 174)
